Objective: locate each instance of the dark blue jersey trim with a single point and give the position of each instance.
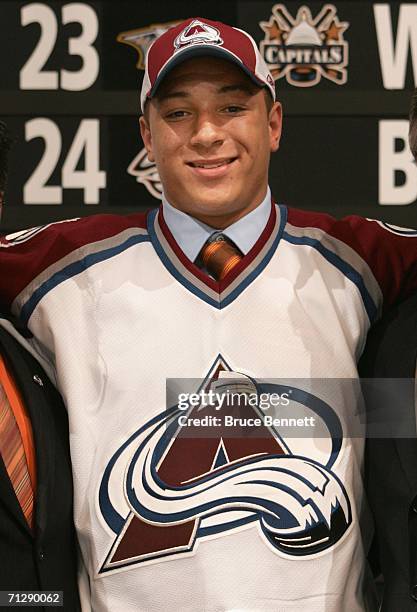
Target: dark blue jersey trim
(72, 270)
(215, 529)
(346, 269)
(170, 266)
(257, 271)
(220, 303)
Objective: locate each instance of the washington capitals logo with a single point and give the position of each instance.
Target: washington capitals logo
(305, 49)
(163, 492)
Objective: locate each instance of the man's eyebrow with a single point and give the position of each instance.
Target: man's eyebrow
(246, 88)
(169, 95)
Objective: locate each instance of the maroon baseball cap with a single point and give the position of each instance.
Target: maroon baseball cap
(198, 36)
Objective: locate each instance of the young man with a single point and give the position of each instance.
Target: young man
(219, 284)
(37, 536)
(391, 462)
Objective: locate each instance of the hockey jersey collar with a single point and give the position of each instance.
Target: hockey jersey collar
(191, 234)
(199, 283)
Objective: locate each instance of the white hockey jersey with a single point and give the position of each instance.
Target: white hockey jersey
(212, 518)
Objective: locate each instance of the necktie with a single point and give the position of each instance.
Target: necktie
(12, 451)
(219, 256)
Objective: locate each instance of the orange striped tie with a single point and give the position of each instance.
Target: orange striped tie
(219, 256)
(14, 458)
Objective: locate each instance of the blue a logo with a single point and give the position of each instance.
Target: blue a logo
(181, 489)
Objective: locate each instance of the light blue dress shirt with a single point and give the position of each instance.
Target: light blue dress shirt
(191, 234)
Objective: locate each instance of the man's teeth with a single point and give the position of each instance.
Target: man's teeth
(214, 165)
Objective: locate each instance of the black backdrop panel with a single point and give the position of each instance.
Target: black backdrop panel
(70, 95)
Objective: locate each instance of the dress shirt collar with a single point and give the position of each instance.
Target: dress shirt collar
(191, 234)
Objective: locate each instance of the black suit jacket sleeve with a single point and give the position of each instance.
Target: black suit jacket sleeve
(391, 463)
(46, 560)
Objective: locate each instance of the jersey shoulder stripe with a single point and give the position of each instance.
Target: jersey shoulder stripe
(30, 259)
(390, 256)
(371, 305)
(99, 252)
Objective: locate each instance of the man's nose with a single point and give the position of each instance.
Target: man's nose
(207, 132)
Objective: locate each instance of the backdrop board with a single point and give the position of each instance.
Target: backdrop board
(70, 80)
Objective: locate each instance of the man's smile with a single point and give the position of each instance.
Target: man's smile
(212, 168)
(211, 163)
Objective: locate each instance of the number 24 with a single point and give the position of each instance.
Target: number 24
(86, 141)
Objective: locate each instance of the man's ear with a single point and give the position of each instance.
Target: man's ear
(275, 126)
(146, 137)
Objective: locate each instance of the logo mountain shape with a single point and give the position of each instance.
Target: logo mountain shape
(198, 32)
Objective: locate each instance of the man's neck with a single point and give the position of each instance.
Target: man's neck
(191, 233)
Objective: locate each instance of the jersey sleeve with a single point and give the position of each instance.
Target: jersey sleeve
(385, 252)
(390, 252)
(38, 257)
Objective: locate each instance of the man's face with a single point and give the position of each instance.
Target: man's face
(210, 134)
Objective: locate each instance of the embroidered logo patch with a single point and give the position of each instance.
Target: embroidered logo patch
(303, 49)
(171, 484)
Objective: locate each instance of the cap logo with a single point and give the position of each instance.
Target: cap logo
(198, 33)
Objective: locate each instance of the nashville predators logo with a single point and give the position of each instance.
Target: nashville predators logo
(141, 39)
(305, 49)
(171, 484)
(146, 173)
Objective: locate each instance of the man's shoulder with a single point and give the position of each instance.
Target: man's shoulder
(351, 223)
(364, 248)
(318, 228)
(328, 223)
(42, 256)
(362, 234)
(77, 232)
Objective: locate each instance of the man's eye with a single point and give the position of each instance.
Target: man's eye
(178, 114)
(234, 108)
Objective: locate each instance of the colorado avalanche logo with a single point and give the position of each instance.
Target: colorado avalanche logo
(198, 33)
(162, 492)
